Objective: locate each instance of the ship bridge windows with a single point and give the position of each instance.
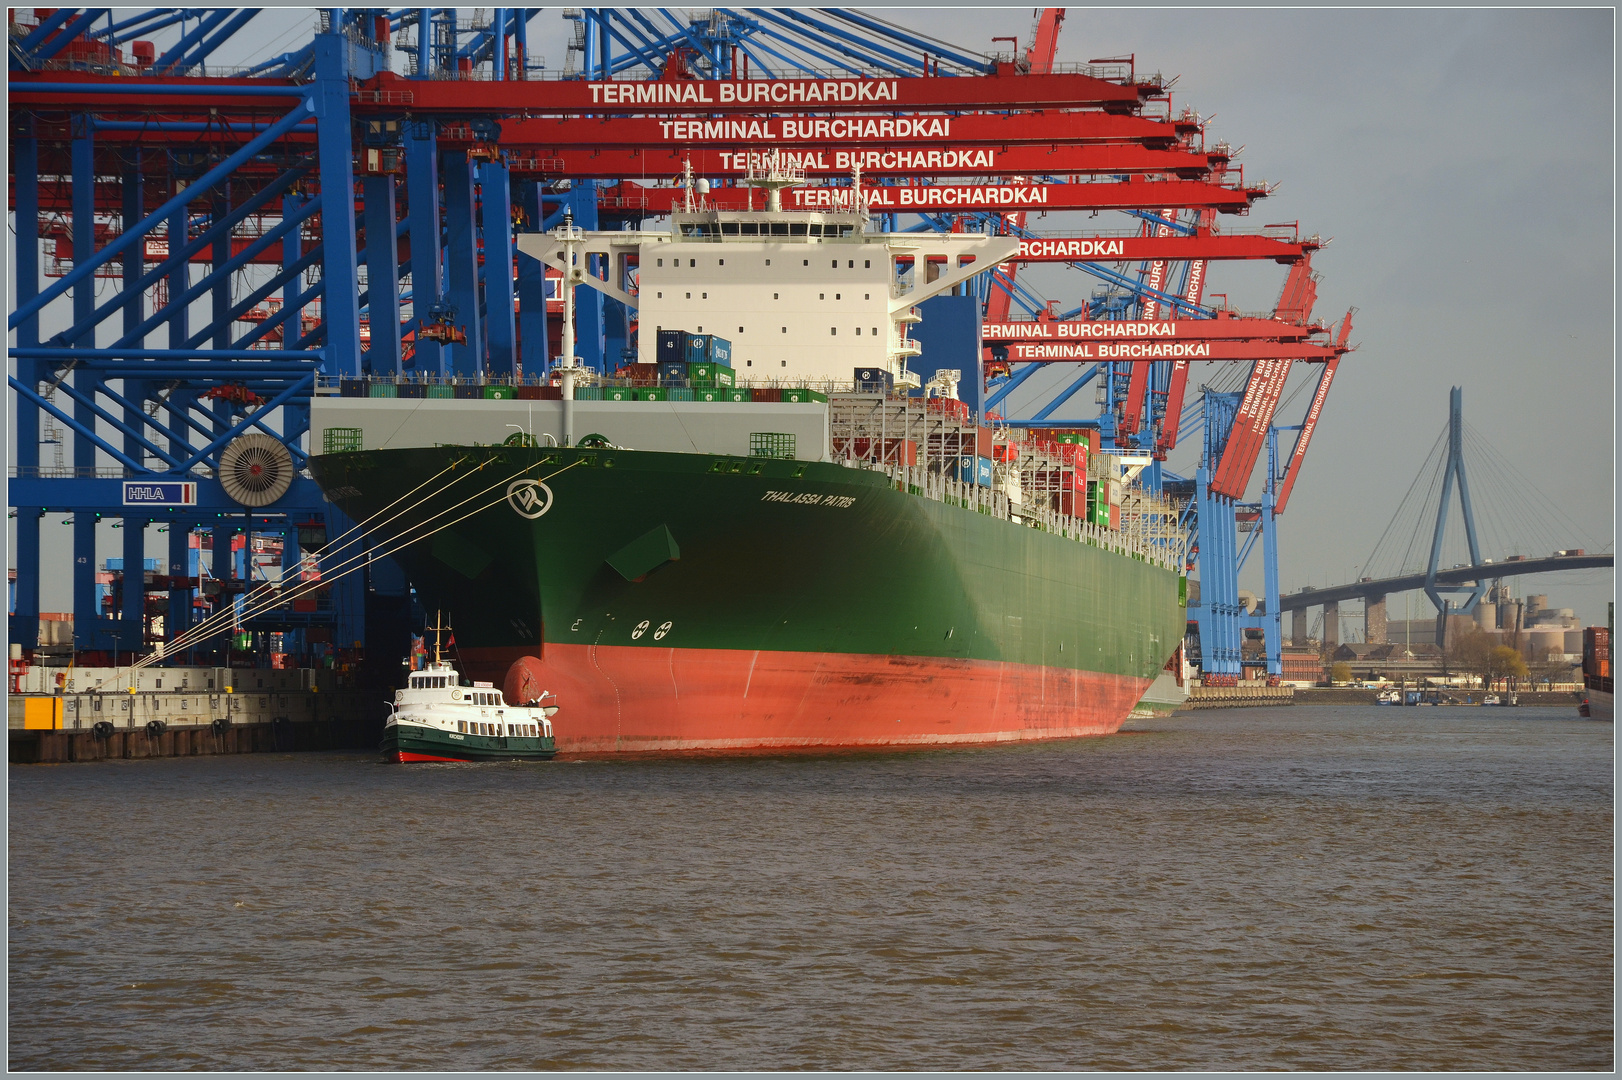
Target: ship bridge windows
(729, 228)
(797, 228)
(779, 228)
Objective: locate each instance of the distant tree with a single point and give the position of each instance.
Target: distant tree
(1471, 652)
(1340, 672)
(1504, 662)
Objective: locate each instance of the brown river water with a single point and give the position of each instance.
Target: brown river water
(1302, 888)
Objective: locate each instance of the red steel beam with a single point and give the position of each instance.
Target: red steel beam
(639, 97)
(1142, 352)
(1311, 422)
(829, 161)
(1127, 195)
(647, 133)
(1177, 385)
(1219, 329)
(1250, 424)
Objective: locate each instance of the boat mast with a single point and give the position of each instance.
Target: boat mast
(439, 636)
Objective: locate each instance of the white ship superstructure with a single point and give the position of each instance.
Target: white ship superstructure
(808, 296)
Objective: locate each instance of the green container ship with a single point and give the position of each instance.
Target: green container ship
(713, 602)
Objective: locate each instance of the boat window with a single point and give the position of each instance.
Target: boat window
(751, 228)
(797, 228)
(729, 228)
(816, 229)
(461, 725)
(779, 228)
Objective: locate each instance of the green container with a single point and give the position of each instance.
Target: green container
(382, 389)
(708, 375)
(707, 394)
(681, 393)
(652, 393)
(341, 440)
(590, 393)
(735, 393)
(440, 391)
(501, 393)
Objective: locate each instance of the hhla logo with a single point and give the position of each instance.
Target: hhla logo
(529, 498)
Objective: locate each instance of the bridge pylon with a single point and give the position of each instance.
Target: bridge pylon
(1451, 471)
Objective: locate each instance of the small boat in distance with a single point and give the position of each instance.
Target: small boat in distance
(436, 718)
(1491, 699)
(1390, 697)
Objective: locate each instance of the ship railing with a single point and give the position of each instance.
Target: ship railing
(1164, 548)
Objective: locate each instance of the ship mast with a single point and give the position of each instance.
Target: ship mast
(439, 637)
(570, 235)
(768, 171)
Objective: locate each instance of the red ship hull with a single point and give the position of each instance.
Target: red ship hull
(617, 699)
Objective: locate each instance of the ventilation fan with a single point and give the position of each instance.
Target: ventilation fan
(256, 470)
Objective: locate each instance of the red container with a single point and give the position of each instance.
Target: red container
(892, 451)
(765, 393)
(1115, 515)
(982, 442)
(551, 393)
(529, 393)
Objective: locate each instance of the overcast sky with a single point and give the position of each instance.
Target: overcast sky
(1463, 161)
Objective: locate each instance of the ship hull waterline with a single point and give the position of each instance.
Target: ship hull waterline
(680, 602)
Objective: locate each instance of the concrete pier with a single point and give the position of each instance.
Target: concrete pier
(280, 736)
(1298, 626)
(1374, 620)
(1331, 624)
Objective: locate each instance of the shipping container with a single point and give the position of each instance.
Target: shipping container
(765, 393)
(710, 374)
(530, 393)
(440, 390)
(617, 393)
(413, 390)
(467, 392)
(672, 371)
(736, 393)
(382, 389)
(551, 393)
(672, 346)
(873, 379)
(352, 388)
(701, 393)
(678, 393)
(1115, 516)
(590, 393)
(974, 470)
(708, 349)
(646, 393)
(893, 451)
(500, 393)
